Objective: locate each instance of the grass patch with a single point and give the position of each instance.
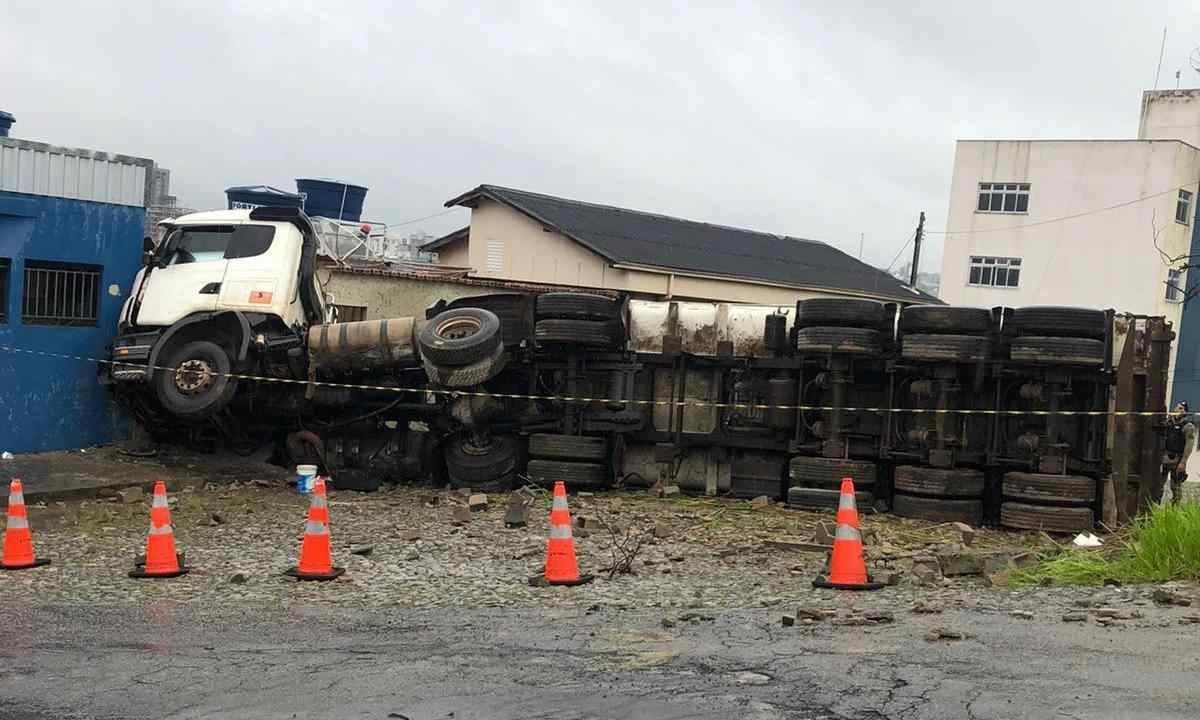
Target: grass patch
(1159, 546)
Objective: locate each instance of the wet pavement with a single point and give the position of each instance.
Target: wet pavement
(165, 659)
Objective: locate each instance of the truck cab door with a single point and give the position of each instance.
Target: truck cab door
(261, 271)
(187, 275)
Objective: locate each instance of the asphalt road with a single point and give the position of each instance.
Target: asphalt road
(168, 660)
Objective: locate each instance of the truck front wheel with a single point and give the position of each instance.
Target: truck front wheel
(194, 381)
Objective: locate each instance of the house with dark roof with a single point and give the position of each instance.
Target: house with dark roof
(531, 237)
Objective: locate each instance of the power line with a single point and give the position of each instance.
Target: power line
(417, 220)
(1062, 218)
(901, 251)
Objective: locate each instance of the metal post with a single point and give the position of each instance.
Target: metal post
(916, 263)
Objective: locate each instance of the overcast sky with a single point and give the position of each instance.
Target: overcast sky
(818, 119)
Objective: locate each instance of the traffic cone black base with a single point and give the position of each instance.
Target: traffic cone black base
(541, 581)
(333, 574)
(139, 572)
(36, 563)
(823, 582)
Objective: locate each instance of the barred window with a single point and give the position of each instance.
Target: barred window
(57, 293)
(5, 264)
(1003, 197)
(1175, 285)
(1183, 207)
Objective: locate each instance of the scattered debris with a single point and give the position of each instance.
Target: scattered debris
(361, 549)
(668, 491)
(889, 577)
(1087, 540)
(1163, 596)
(6, 455)
(925, 574)
(668, 623)
(1110, 613)
(788, 620)
(966, 532)
(751, 678)
(662, 530)
(923, 608)
(850, 620)
(412, 555)
(477, 502)
(1022, 614)
(942, 633)
(579, 521)
(130, 495)
(1075, 617)
(527, 553)
(410, 534)
(880, 617)
(216, 519)
(517, 514)
(761, 501)
(238, 578)
(460, 515)
(1189, 620)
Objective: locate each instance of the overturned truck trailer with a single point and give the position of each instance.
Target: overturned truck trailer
(945, 413)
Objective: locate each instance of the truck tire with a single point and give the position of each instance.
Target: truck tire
(1021, 516)
(839, 340)
(592, 333)
(196, 382)
(816, 472)
(1049, 320)
(568, 447)
(1041, 488)
(1057, 350)
(839, 312)
(938, 482)
(945, 348)
(938, 509)
(825, 499)
(576, 306)
(490, 469)
(460, 336)
(466, 375)
(945, 319)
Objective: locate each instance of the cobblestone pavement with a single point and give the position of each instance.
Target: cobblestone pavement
(708, 554)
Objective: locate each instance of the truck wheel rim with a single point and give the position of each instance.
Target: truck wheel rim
(457, 328)
(194, 377)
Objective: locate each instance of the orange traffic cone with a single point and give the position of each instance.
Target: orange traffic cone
(847, 511)
(562, 568)
(847, 568)
(161, 559)
(18, 543)
(316, 550)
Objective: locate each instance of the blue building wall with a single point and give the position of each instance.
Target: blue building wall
(52, 403)
(1187, 353)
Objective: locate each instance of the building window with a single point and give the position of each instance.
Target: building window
(995, 271)
(495, 257)
(57, 293)
(1175, 291)
(5, 264)
(1003, 197)
(351, 313)
(1183, 207)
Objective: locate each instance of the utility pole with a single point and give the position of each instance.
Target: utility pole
(861, 238)
(912, 280)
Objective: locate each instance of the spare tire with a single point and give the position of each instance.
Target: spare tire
(1051, 519)
(817, 472)
(466, 375)
(938, 482)
(1043, 488)
(491, 468)
(938, 509)
(839, 340)
(574, 474)
(1057, 321)
(459, 336)
(839, 312)
(822, 499)
(945, 319)
(576, 306)
(1057, 350)
(947, 348)
(569, 447)
(592, 333)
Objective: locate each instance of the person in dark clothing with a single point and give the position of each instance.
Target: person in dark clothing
(1180, 442)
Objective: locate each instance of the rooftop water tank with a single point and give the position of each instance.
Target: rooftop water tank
(331, 198)
(252, 196)
(6, 121)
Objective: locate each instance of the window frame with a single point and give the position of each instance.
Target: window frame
(992, 267)
(1000, 196)
(5, 287)
(91, 277)
(1176, 286)
(1184, 200)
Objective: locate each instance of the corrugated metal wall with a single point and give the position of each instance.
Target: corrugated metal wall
(40, 169)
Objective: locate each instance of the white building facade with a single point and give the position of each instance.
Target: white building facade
(1092, 223)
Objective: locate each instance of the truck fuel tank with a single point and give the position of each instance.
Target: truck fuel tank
(365, 345)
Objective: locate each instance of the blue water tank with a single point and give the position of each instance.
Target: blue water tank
(6, 121)
(252, 196)
(332, 199)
